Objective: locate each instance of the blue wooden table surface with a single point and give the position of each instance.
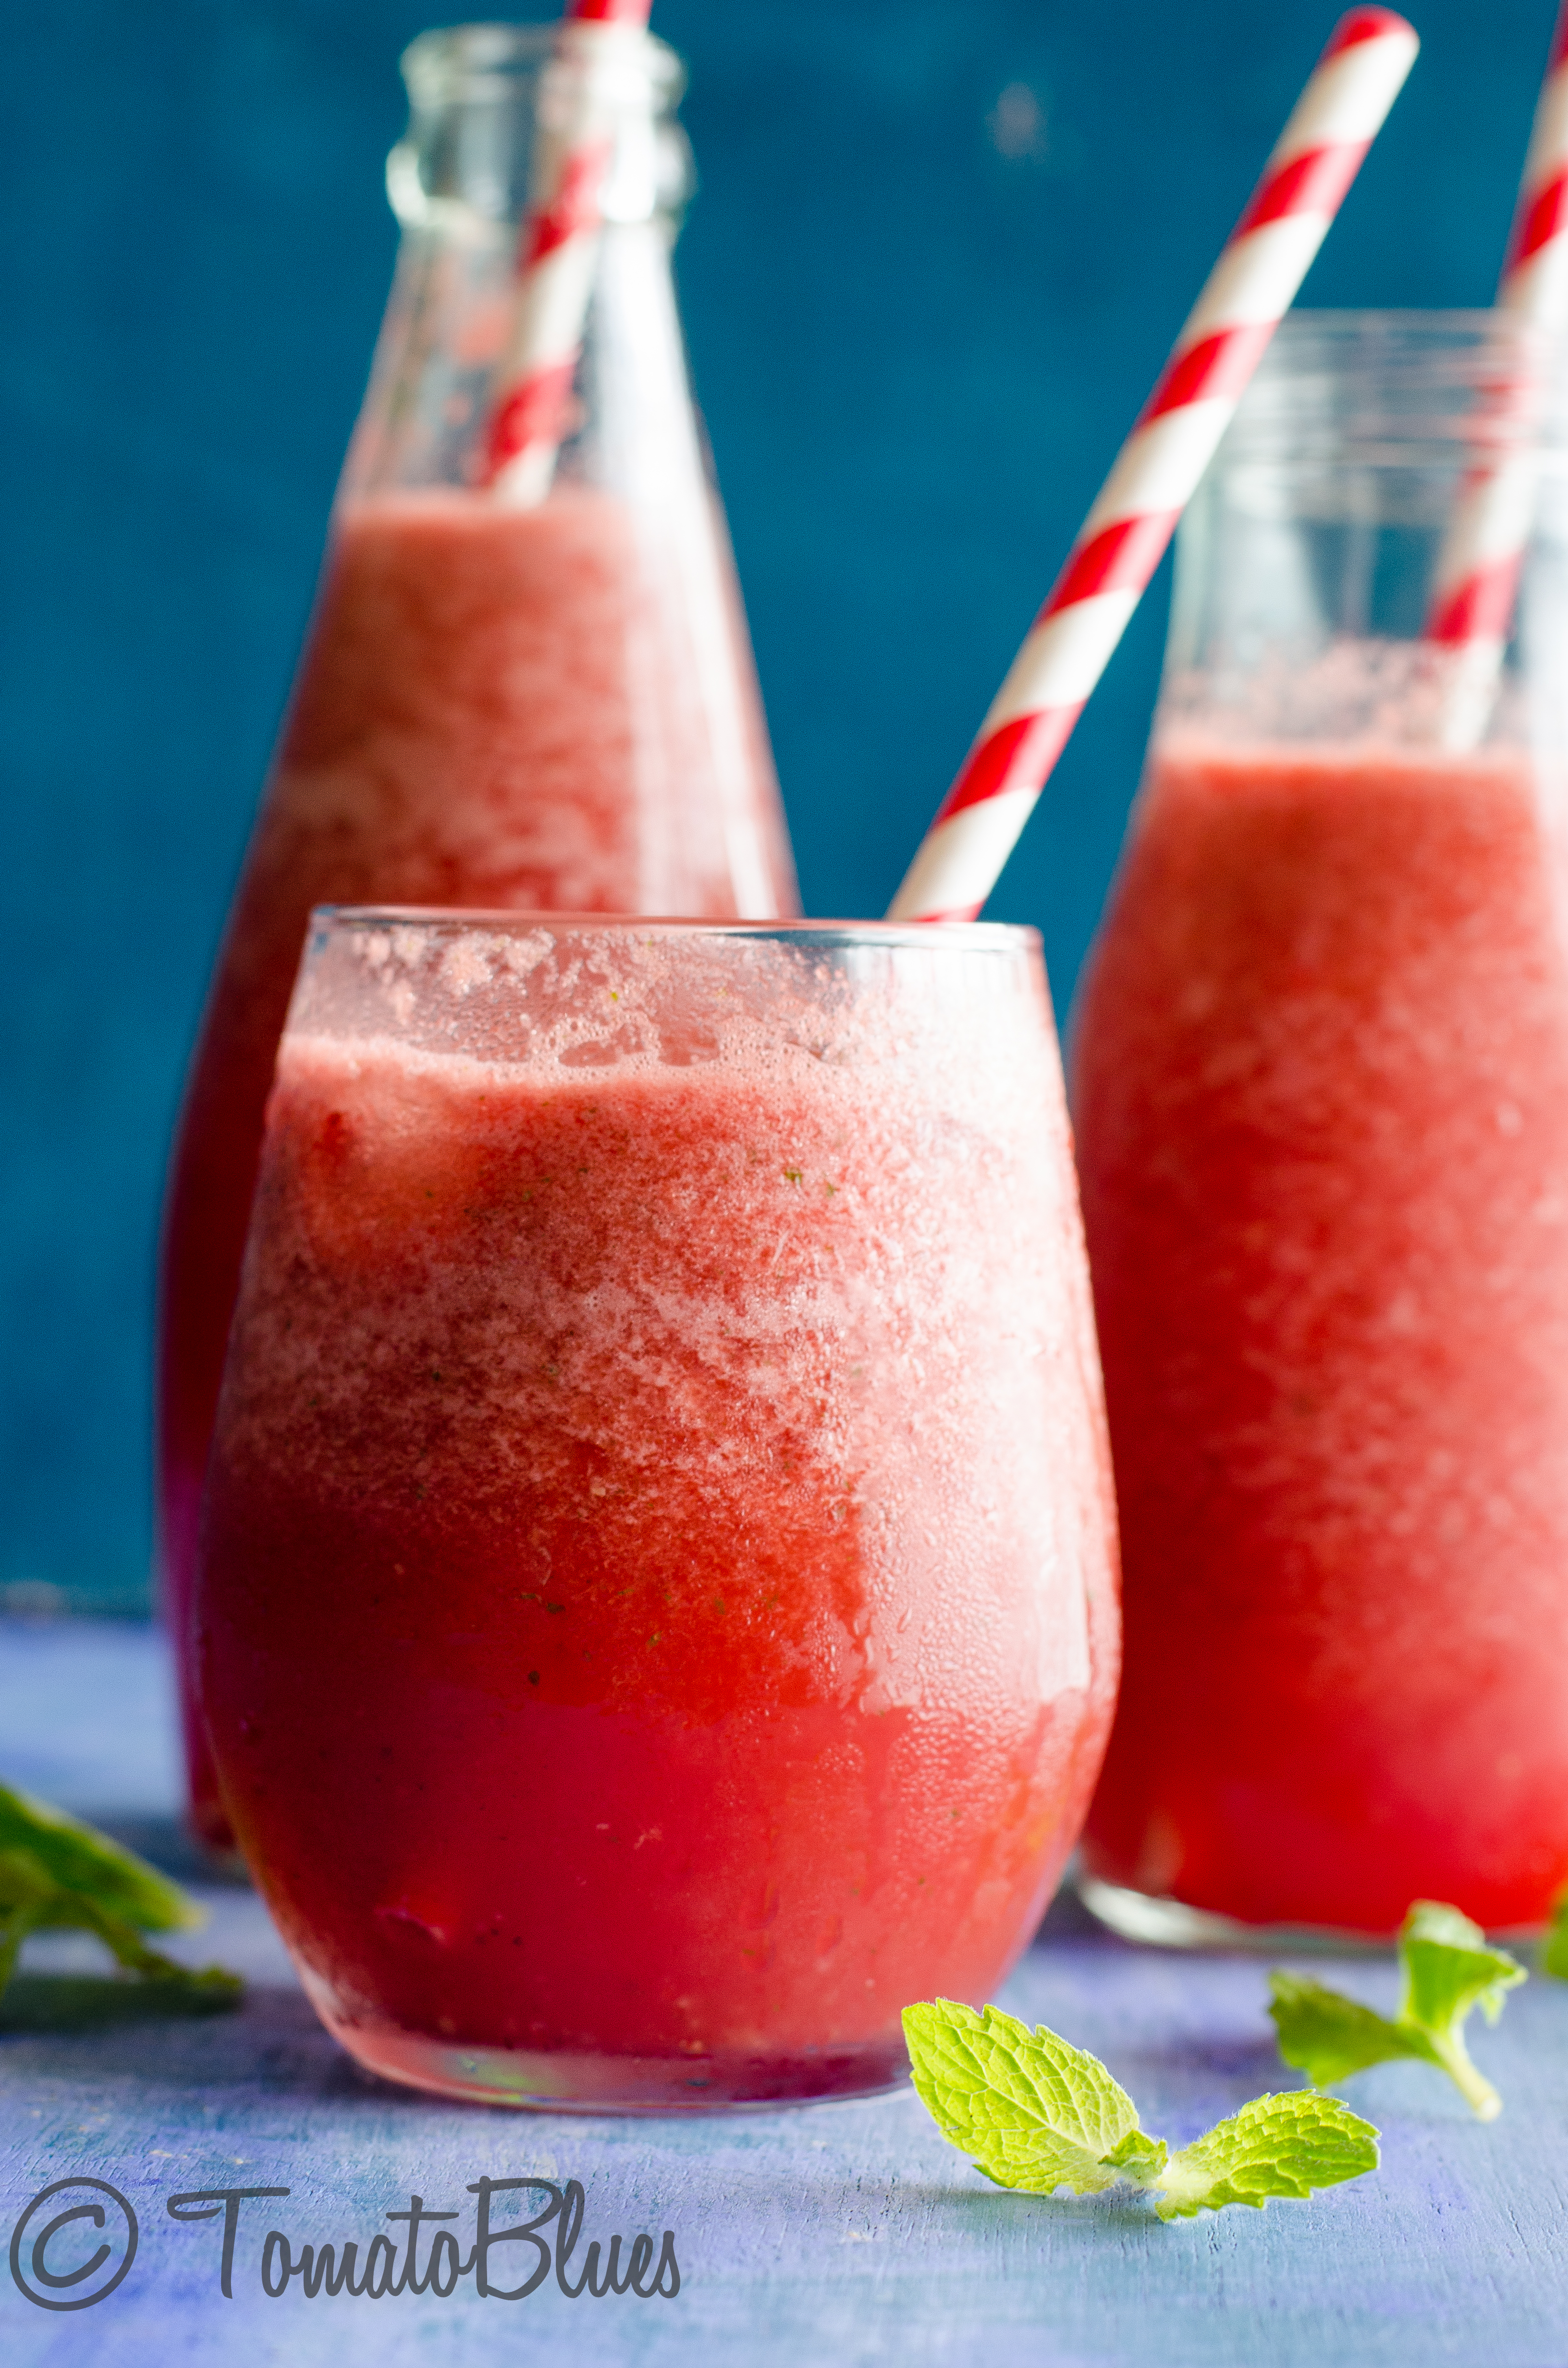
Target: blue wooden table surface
(839, 2234)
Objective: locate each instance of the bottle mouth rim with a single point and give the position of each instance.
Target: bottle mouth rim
(1416, 321)
(452, 64)
(498, 81)
(1404, 388)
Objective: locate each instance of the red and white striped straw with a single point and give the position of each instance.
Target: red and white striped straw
(1478, 570)
(532, 389)
(1120, 543)
(1535, 274)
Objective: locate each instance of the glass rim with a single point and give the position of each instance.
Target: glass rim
(970, 936)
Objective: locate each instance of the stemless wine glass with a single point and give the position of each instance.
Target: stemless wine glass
(658, 1605)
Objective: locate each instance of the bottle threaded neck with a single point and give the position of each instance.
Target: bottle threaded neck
(477, 93)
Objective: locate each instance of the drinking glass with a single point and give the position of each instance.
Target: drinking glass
(656, 1613)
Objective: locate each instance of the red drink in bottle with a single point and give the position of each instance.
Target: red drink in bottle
(1321, 1093)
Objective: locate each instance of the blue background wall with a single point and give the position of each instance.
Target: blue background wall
(941, 250)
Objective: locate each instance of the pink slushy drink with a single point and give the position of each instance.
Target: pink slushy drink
(658, 1612)
(1321, 1092)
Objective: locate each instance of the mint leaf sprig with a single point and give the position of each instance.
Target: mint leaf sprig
(1037, 2113)
(1447, 1969)
(58, 1874)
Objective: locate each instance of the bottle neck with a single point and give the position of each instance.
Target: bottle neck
(459, 182)
(1311, 564)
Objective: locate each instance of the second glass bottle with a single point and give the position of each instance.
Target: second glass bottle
(1321, 1095)
(541, 708)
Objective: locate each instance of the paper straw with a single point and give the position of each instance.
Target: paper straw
(1120, 543)
(558, 248)
(1477, 576)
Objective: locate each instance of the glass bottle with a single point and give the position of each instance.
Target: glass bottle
(1321, 1096)
(497, 707)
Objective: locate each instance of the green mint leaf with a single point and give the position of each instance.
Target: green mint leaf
(1277, 2145)
(1031, 2111)
(1554, 1958)
(1447, 1969)
(58, 1874)
(1327, 2035)
(132, 1952)
(1037, 2113)
(43, 1849)
(1138, 2157)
